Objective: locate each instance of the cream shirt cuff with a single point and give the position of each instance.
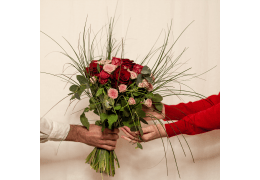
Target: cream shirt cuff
(54, 131)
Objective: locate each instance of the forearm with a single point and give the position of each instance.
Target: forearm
(197, 123)
(179, 111)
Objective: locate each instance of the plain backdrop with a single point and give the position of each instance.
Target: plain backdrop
(143, 21)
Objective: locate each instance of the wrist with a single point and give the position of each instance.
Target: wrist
(73, 133)
(162, 130)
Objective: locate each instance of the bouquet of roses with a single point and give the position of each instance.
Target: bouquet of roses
(119, 88)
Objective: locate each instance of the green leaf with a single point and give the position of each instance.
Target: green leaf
(140, 113)
(111, 119)
(99, 92)
(138, 106)
(158, 106)
(139, 145)
(86, 109)
(96, 112)
(77, 96)
(98, 123)
(157, 98)
(103, 127)
(149, 95)
(134, 128)
(126, 113)
(81, 79)
(122, 109)
(117, 107)
(136, 94)
(92, 100)
(82, 88)
(128, 123)
(141, 130)
(149, 79)
(143, 121)
(73, 97)
(73, 88)
(146, 70)
(84, 120)
(103, 117)
(139, 79)
(92, 106)
(98, 68)
(70, 93)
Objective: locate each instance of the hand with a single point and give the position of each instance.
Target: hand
(150, 133)
(153, 114)
(94, 137)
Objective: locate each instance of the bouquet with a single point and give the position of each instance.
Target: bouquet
(118, 88)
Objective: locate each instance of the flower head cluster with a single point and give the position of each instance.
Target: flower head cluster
(119, 71)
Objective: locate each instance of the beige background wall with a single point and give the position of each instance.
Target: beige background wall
(66, 18)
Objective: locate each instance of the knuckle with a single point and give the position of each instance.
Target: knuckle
(117, 137)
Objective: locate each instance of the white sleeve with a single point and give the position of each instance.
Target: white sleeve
(54, 131)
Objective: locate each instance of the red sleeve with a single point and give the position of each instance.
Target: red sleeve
(179, 111)
(197, 123)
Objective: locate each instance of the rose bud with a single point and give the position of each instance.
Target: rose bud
(122, 88)
(148, 102)
(109, 68)
(112, 93)
(131, 101)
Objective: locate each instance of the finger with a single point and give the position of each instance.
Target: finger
(130, 140)
(109, 148)
(129, 135)
(130, 132)
(112, 137)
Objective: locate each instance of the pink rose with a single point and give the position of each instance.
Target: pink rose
(102, 81)
(122, 88)
(133, 75)
(137, 68)
(93, 79)
(148, 102)
(107, 61)
(116, 61)
(109, 68)
(112, 93)
(131, 101)
(104, 75)
(145, 83)
(140, 85)
(150, 87)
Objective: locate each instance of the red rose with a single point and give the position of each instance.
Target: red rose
(103, 81)
(137, 68)
(122, 75)
(104, 75)
(116, 61)
(92, 69)
(128, 64)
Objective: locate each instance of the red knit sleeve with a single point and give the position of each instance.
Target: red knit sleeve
(179, 111)
(197, 123)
